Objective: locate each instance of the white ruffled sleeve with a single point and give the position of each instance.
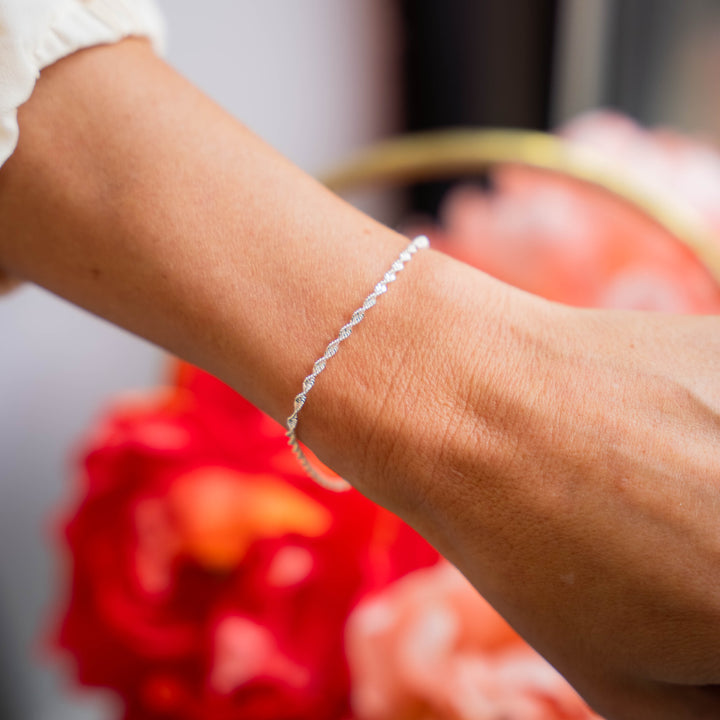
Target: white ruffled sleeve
(36, 33)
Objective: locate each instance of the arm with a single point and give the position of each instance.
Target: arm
(567, 461)
(134, 196)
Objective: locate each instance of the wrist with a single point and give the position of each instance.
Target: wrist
(422, 372)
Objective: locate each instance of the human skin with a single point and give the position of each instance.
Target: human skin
(567, 461)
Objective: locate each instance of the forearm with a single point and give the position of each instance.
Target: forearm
(134, 196)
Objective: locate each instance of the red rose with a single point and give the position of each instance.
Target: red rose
(211, 578)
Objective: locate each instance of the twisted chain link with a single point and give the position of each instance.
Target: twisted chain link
(338, 484)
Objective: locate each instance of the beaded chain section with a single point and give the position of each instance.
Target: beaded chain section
(338, 484)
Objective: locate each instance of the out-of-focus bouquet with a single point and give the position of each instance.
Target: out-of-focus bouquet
(209, 579)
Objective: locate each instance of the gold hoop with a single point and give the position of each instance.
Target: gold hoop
(449, 153)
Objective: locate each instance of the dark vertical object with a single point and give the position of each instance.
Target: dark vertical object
(476, 62)
(642, 33)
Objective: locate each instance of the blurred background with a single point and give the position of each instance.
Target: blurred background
(318, 79)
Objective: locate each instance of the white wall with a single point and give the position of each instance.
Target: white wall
(316, 78)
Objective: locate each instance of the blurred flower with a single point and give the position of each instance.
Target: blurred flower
(673, 165)
(210, 578)
(429, 647)
(574, 243)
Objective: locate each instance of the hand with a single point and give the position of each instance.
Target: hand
(569, 465)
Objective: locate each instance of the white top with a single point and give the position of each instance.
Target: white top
(36, 33)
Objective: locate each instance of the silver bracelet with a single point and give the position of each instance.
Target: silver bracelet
(338, 484)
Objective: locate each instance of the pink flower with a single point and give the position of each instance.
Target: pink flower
(428, 646)
(576, 244)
